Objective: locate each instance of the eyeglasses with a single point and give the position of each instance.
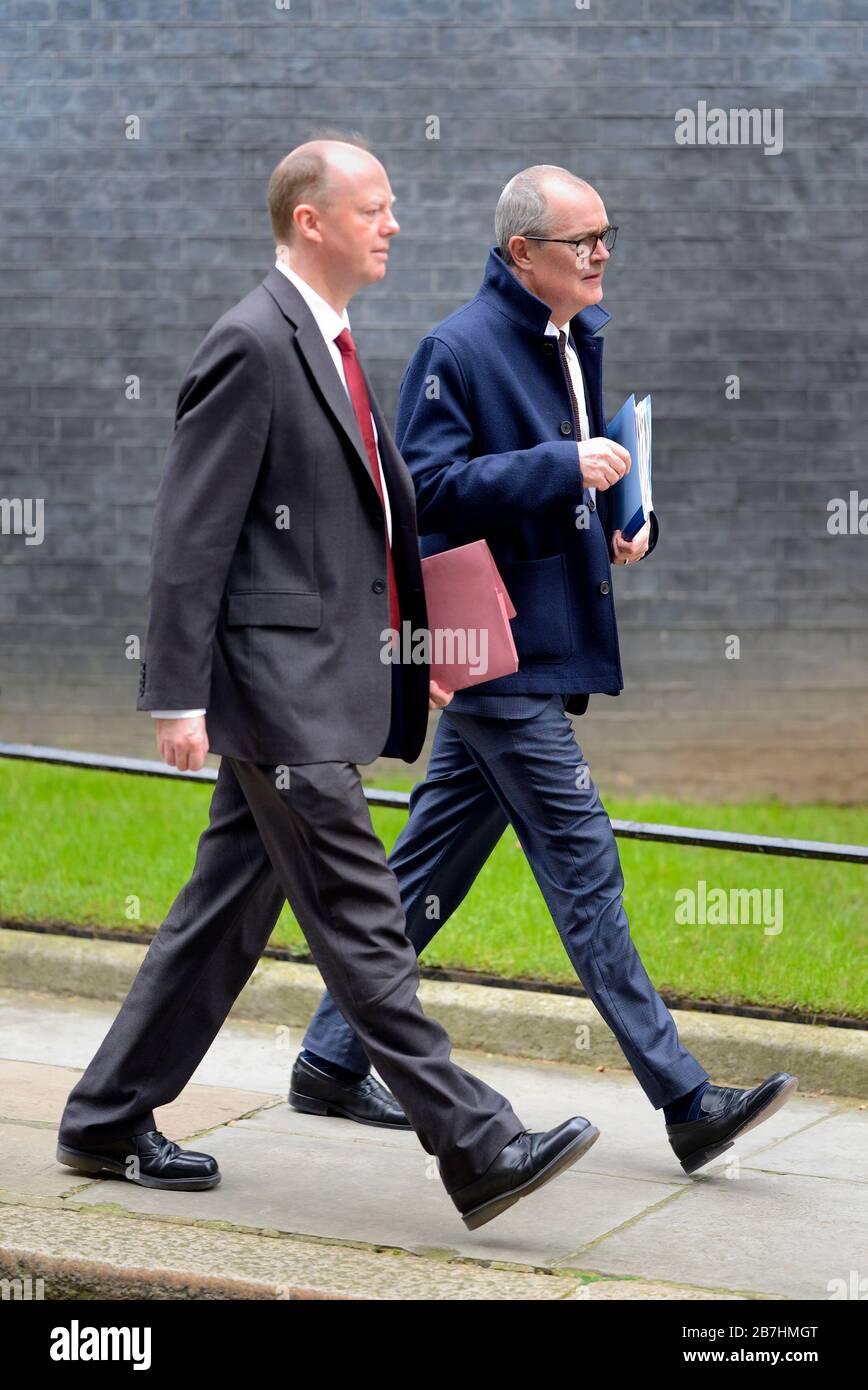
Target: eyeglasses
(585, 245)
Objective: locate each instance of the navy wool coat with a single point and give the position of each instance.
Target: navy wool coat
(485, 427)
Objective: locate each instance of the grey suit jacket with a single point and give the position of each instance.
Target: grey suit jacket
(268, 591)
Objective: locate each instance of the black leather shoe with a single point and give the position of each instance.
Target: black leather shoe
(367, 1101)
(727, 1112)
(159, 1162)
(526, 1163)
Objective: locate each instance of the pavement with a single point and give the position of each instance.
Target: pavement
(310, 1207)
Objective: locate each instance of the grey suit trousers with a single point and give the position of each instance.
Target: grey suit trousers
(312, 843)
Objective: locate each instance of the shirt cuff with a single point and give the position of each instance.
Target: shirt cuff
(175, 713)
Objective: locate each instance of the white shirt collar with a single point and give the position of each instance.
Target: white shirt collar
(329, 321)
(552, 330)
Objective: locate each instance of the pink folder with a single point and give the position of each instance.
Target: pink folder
(468, 617)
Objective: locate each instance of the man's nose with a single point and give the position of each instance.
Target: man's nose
(392, 225)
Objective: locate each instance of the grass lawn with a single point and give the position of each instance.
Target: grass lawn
(78, 846)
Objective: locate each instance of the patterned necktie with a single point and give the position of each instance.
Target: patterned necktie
(362, 406)
(577, 419)
(577, 416)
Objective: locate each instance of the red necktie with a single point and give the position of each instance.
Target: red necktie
(362, 406)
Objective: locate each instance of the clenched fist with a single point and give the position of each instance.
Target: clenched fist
(603, 462)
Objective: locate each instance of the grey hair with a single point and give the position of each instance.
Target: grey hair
(522, 208)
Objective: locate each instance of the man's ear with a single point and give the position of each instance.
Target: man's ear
(518, 251)
(304, 217)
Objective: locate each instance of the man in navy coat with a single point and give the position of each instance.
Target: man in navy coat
(501, 423)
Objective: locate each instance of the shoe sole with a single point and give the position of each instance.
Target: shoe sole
(703, 1156)
(308, 1105)
(95, 1166)
(565, 1159)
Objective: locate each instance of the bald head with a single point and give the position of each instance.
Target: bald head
(331, 215)
(315, 173)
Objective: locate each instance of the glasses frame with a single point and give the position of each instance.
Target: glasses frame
(578, 241)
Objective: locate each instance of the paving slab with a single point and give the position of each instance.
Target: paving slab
(27, 1160)
(762, 1232)
(834, 1149)
(32, 1092)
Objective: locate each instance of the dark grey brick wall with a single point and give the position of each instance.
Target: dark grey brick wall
(118, 254)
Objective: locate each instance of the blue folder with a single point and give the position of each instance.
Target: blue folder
(630, 501)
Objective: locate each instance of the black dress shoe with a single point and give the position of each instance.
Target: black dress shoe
(367, 1102)
(521, 1167)
(150, 1159)
(727, 1112)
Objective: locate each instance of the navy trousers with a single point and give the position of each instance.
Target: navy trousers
(483, 774)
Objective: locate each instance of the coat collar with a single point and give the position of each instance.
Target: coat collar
(288, 298)
(501, 287)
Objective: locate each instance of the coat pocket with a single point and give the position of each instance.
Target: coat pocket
(541, 627)
(274, 608)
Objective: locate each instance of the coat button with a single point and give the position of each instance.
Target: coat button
(566, 427)
(604, 587)
(548, 349)
(379, 586)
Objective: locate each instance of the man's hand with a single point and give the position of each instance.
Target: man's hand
(182, 743)
(602, 462)
(437, 698)
(625, 551)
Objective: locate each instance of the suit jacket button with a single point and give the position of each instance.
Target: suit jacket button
(604, 587)
(566, 427)
(379, 586)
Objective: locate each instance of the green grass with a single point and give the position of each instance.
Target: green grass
(78, 846)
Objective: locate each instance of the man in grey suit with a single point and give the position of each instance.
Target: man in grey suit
(284, 543)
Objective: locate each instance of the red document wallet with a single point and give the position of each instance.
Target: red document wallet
(468, 617)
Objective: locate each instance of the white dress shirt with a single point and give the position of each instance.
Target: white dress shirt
(578, 386)
(331, 324)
